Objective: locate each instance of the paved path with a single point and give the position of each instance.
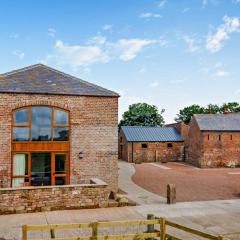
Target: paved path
(135, 193)
(215, 217)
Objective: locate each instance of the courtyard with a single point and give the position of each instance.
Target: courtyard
(192, 184)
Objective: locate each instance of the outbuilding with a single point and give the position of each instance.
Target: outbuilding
(213, 140)
(150, 144)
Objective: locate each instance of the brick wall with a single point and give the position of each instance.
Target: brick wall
(37, 199)
(221, 149)
(122, 147)
(93, 131)
(212, 149)
(194, 146)
(156, 151)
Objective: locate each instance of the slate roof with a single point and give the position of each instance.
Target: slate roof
(41, 79)
(218, 122)
(151, 134)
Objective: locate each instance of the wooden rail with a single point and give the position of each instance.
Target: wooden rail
(151, 233)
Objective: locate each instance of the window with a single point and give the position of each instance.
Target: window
(219, 137)
(144, 145)
(40, 123)
(169, 145)
(208, 136)
(231, 137)
(20, 170)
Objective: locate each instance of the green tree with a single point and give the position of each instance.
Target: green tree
(230, 107)
(212, 108)
(186, 113)
(142, 114)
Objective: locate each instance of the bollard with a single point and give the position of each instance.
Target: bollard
(150, 227)
(171, 194)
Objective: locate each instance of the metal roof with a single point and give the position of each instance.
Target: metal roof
(151, 134)
(42, 79)
(218, 122)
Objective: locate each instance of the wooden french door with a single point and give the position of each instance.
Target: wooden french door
(40, 169)
(59, 166)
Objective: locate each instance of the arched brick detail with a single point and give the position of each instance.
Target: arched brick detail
(41, 103)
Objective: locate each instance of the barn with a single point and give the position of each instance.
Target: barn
(150, 144)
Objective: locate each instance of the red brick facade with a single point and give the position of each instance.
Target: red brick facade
(212, 148)
(155, 151)
(93, 127)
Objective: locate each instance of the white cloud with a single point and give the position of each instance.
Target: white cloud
(215, 42)
(154, 84)
(162, 3)
(99, 50)
(77, 55)
(107, 27)
(192, 43)
(19, 54)
(97, 40)
(149, 15)
(51, 32)
(129, 48)
(222, 73)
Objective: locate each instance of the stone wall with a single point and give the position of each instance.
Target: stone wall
(93, 126)
(48, 198)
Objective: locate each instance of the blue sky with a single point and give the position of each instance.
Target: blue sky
(163, 52)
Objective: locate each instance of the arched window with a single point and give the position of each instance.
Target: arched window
(40, 123)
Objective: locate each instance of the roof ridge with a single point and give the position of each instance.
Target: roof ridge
(79, 79)
(21, 69)
(59, 72)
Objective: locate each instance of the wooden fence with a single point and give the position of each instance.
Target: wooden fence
(161, 232)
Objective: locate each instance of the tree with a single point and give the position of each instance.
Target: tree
(230, 107)
(142, 114)
(212, 108)
(186, 113)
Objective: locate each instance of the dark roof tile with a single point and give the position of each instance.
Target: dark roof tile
(42, 79)
(218, 122)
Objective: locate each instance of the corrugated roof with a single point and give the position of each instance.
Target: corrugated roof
(151, 134)
(218, 122)
(42, 79)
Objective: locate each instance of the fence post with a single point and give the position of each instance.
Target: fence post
(94, 230)
(150, 227)
(52, 233)
(24, 232)
(171, 194)
(163, 228)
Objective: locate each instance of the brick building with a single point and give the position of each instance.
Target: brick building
(213, 140)
(150, 144)
(56, 130)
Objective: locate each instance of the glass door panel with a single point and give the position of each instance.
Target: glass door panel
(41, 169)
(60, 169)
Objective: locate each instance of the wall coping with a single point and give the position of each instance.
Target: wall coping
(94, 183)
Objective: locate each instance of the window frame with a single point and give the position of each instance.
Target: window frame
(29, 125)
